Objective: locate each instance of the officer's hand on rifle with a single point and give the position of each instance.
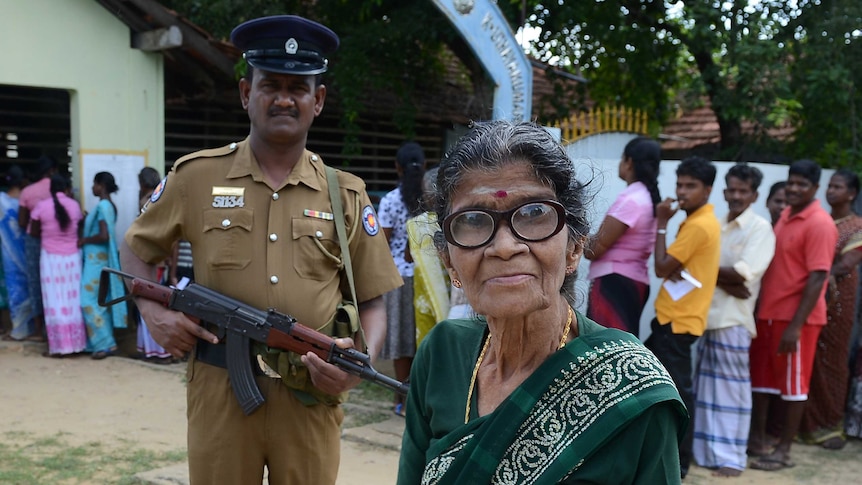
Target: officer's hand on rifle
(173, 330)
(327, 377)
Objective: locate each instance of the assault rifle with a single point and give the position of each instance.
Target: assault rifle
(243, 322)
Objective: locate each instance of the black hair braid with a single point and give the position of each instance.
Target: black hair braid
(646, 173)
(411, 188)
(61, 214)
(60, 184)
(645, 154)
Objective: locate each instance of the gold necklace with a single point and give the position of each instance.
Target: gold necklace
(842, 219)
(568, 326)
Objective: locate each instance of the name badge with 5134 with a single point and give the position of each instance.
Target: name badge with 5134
(228, 197)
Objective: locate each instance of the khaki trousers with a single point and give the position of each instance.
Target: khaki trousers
(297, 444)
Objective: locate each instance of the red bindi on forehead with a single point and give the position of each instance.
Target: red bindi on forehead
(501, 194)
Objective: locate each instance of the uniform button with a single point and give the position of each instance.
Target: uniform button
(273, 279)
(275, 196)
(314, 158)
(225, 223)
(232, 146)
(273, 237)
(318, 234)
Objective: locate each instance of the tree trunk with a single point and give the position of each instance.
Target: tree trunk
(730, 132)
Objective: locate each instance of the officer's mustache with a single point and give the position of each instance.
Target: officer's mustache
(283, 112)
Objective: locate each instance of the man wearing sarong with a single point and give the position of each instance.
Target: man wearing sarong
(722, 386)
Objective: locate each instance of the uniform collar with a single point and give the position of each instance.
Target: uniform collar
(307, 171)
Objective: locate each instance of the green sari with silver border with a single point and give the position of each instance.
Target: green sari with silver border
(577, 401)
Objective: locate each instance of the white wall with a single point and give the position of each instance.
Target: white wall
(603, 185)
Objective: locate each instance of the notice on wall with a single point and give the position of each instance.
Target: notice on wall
(124, 166)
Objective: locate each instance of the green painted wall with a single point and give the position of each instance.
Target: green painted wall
(116, 92)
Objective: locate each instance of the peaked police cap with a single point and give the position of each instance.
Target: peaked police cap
(286, 44)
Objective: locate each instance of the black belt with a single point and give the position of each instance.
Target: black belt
(216, 354)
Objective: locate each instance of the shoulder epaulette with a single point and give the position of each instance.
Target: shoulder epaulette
(208, 153)
(349, 181)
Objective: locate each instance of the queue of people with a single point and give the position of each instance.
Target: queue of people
(772, 359)
(72, 250)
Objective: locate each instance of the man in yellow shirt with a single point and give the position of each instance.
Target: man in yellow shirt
(691, 260)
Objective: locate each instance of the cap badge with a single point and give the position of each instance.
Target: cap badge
(291, 46)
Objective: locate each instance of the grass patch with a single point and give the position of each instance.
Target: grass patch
(26, 459)
(368, 403)
(368, 391)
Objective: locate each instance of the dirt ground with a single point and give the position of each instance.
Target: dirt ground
(120, 400)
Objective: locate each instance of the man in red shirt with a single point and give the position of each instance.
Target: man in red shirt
(791, 312)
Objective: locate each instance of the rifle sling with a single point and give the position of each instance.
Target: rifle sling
(338, 212)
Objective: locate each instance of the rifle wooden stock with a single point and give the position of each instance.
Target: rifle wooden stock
(301, 340)
(244, 322)
(151, 291)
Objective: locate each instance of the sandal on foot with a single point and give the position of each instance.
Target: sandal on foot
(399, 409)
(772, 463)
(726, 472)
(102, 354)
(759, 452)
(835, 443)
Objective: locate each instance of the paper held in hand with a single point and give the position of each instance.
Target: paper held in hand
(678, 289)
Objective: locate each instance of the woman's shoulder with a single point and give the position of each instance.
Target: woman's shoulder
(612, 340)
(454, 333)
(636, 192)
(393, 195)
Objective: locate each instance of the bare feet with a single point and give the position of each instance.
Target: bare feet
(725, 472)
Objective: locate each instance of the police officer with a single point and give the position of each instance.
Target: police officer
(262, 230)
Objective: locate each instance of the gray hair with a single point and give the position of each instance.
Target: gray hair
(490, 145)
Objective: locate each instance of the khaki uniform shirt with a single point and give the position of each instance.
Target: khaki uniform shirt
(270, 247)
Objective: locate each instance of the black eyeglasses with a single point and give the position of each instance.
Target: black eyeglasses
(532, 221)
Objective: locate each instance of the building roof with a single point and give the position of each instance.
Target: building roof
(696, 131)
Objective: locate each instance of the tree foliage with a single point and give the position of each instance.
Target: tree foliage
(826, 79)
(760, 64)
(755, 62)
(388, 46)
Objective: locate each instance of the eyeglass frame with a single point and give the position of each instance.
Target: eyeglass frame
(497, 216)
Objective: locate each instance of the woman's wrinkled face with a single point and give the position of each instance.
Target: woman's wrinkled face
(508, 276)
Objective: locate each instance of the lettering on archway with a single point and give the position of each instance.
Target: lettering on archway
(483, 26)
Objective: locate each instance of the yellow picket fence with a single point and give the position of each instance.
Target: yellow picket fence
(602, 120)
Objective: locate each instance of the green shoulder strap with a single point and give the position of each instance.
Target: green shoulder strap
(338, 212)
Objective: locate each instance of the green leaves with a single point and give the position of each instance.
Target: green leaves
(762, 64)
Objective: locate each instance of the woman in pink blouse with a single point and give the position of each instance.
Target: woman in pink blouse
(55, 221)
(619, 251)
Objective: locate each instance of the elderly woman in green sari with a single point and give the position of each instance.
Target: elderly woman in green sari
(529, 391)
